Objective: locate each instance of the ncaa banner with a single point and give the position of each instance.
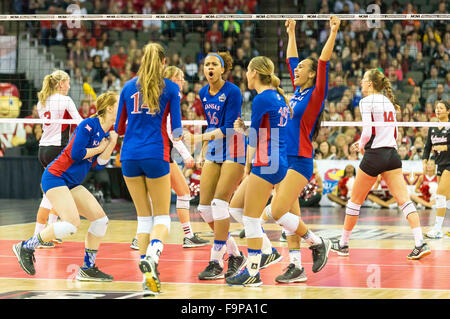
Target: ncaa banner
(8, 46)
(331, 172)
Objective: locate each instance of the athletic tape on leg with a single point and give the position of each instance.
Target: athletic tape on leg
(162, 220)
(63, 229)
(99, 226)
(206, 213)
(183, 202)
(252, 227)
(145, 224)
(238, 214)
(352, 209)
(408, 208)
(219, 209)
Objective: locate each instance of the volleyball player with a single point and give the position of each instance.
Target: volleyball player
(177, 180)
(266, 163)
(310, 80)
(90, 147)
(224, 165)
(54, 104)
(438, 141)
(379, 147)
(145, 102)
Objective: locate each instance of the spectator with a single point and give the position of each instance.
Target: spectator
(87, 109)
(118, 60)
(403, 152)
(344, 187)
(78, 54)
(337, 91)
(214, 36)
(431, 83)
(418, 64)
(88, 71)
(101, 51)
(324, 151)
(438, 95)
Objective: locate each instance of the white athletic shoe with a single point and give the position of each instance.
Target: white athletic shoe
(434, 233)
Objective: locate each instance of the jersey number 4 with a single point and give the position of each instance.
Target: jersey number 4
(389, 117)
(137, 109)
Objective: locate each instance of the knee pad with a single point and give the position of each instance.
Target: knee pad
(268, 211)
(183, 202)
(289, 222)
(352, 209)
(63, 229)
(237, 213)
(206, 213)
(288, 233)
(45, 203)
(145, 224)
(441, 201)
(162, 220)
(408, 208)
(219, 209)
(252, 227)
(98, 227)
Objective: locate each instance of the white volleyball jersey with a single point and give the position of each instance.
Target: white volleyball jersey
(377, 108)
(57, 107)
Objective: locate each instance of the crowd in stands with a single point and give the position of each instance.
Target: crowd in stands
(414, 55)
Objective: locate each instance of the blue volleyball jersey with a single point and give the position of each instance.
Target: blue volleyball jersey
(70, 164)
(268, 128)
(146, 134)
(307, 106)
(221, 111)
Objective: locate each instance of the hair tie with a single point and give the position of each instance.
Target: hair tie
(219, 57)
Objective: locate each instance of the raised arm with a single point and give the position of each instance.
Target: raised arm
(329, 45)
(291, 51)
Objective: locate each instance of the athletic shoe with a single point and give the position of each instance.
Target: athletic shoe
(57, 241)
(292, 274)
(194, 242)
(93, 274)
(434, 233)
(25, 257)
(151, 274)
(448, 233)
(146, 288)
(270, 259)
(320, 254)
(283, 236)
(419, 252)
(337, 248)
(48, 244)
(212, 272)
(242, 234)
(235, 264)
(243, 278)
(134, 244)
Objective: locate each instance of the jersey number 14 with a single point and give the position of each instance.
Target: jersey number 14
(389, 117)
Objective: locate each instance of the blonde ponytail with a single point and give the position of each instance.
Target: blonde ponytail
(103, 101)
(50, 85)
(150, 76)
(275, 82)
(382, 84)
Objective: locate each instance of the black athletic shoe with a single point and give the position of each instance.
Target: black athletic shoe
(292, 274)
(242, 234)
(194, 242)
(235, 265)
(337, 248)
(320, 254)
(149, 268)
(212, 271)
(244, 279)
(134, 244)
(270, 259)
(419, 252)
(25, 257)
(93, 274)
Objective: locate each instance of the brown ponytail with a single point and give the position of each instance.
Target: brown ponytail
(382, 84)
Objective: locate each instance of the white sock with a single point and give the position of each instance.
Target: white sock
(253, 263)
(311, 238)
(295, 257)
(266, 245)
(52, 218)
(232, 247)
(187, 230)
(217, 252)
(155, 249)
(344, 238)
(438, 223)
(38, 228)
(418, 237)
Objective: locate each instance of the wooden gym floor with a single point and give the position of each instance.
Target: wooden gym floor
(376, 268)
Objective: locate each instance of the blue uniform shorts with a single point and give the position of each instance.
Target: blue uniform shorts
(302, 165)
(151, 168)
(273, 178)
(49, 181)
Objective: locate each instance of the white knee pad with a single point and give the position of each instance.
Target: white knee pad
(219, 209)
(289, 233)
(162, 220)
(408, 208)
(63, 229)
(206, 213)
(98, 227)
(441, 201)
(289, 222)
(252, 227)
(237, 213)
(268, 211)
(145, 224)
(183, 202)
(45, 203)
(352, 209)
(448, 204)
